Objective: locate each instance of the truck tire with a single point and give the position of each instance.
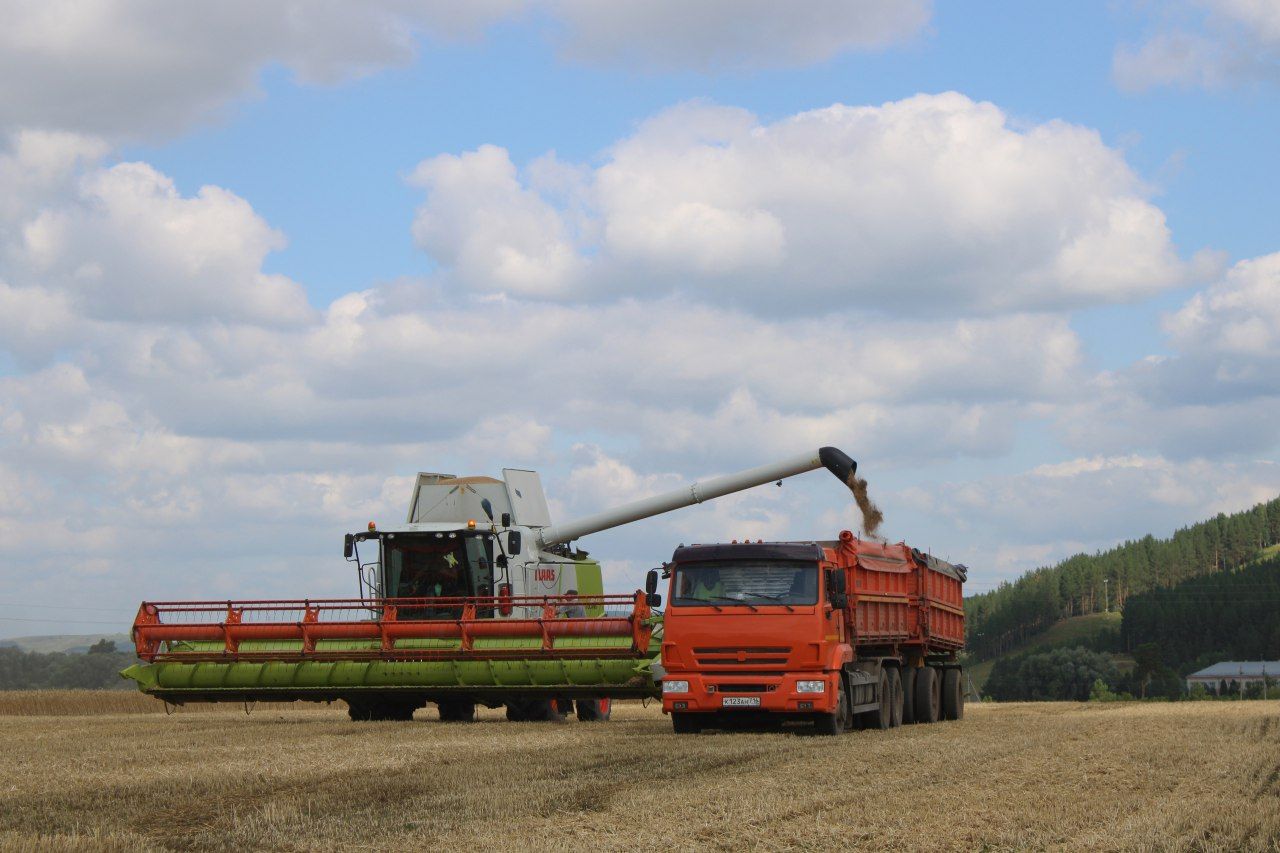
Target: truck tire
(882, 717)
(833, 723)
(684, 723)
(927, 695)
(593, 710)
(895, 697)
(456, 711)
(952, 695)
(909, 695)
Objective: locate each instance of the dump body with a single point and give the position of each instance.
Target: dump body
(805, 630)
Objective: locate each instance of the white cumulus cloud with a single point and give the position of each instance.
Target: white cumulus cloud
(1225, 43)
(935, 203)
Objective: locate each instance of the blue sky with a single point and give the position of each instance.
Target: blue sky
(388, 273)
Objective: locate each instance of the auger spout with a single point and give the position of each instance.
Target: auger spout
(831, 458)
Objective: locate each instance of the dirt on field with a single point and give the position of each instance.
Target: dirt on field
(1183, 776)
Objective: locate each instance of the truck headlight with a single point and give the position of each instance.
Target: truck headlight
(675, 686)
(811, 687)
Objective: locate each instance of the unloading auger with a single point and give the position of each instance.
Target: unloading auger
(476, 599)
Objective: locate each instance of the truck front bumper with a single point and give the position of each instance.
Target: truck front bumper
(736, 693)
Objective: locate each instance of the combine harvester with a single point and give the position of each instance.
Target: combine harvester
(466, 603)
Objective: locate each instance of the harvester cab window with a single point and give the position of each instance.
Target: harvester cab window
(426, 567)
(746, 582)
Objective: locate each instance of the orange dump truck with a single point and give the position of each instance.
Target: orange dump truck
(844, 634)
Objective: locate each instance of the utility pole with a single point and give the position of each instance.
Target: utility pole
(1106, 599)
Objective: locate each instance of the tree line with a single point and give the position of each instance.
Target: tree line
(1007, 616)
(97, 669)
(1232, 615)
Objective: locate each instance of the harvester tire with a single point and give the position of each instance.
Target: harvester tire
(543, 711)
(359, 712)
(684, 723)
(927, 695)
(952, 695)
(594, 710)
(895, 697)
(909, 695)
(456, 711)
(516, 712)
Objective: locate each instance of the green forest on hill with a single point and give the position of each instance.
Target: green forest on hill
(1232, 615)
(1008, 617)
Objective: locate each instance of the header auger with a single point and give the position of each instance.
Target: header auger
(476, 598)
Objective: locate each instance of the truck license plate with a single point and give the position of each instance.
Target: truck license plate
(740, 702)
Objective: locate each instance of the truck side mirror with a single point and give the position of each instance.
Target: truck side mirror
(653, 599)
(651, 582)
(836, 588)
(513, 541)
(348, 545)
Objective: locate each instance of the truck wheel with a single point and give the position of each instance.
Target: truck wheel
(592, 710)
(895, 698)
(456, 711)
(926, 695)
(952, 695)
(832, 724)
(909, 694)
(882, 717)
(684, 723)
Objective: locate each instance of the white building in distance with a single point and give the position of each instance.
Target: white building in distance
(1240, 671)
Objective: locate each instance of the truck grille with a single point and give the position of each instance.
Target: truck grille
(743, 656)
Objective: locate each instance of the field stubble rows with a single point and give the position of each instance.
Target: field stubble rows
(1114, 776)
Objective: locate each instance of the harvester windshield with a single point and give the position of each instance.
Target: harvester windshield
(746, 582)
(431, 565)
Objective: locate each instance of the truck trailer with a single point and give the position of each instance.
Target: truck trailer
(842, 634)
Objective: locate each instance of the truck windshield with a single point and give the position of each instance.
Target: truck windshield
(745, 583)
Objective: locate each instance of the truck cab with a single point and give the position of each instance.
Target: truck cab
(752, 627)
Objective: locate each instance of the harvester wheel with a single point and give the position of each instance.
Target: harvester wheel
(952, 695)
(544, 711)
(895, 697)
(456, 711)
(927, 695)
(833, 724)
(516, 711)
(909, 694)
(360, 712)
(593, 710)
(684, 723)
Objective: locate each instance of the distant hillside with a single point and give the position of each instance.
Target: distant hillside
(1231, 615)
(1008, 617)
(68, 643)
(1098, 632)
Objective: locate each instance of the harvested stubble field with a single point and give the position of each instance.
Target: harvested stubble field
(1116, 776)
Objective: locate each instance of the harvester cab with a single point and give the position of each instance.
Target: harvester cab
(472, 537)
